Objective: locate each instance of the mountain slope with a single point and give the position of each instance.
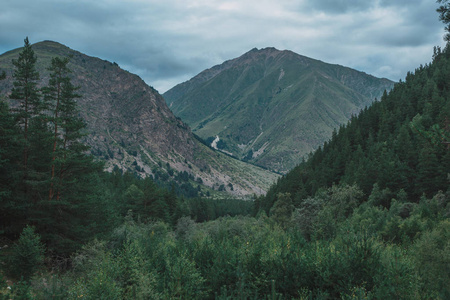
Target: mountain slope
(130, 126)
(272, 107)
(399, 148)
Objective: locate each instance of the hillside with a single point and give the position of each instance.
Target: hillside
(272, 107)
(130, 126)
(399, 147)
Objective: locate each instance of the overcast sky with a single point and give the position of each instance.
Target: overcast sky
(167, 42)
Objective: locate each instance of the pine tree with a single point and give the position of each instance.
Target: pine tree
(59, 97)
(25, 91)
(11, 212)
(444, 16)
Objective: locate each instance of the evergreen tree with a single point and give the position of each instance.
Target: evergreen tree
(29, 172)
(11, 211)
(27, 255)
(444, 16)
(25, 91)
(75, 206)
(59, 97)
(282, 210)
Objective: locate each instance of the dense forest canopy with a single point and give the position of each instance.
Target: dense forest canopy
(366, 216)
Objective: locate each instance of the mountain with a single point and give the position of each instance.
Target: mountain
(272, 107)
(130, 126)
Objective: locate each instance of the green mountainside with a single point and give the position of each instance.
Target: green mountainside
(272, 107)
(397, 148)
(130, 126)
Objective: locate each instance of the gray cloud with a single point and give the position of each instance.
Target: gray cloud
(166, 42)
(340, 6)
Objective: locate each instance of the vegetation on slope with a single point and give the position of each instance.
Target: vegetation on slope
(400, 143)
(272, 107)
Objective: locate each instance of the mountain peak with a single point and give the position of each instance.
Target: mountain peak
(262, 51)
(272, 107)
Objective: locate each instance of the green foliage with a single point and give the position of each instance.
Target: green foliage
(432, 255)
(281, 211)
(26, 257)
(444, 16)
(21, 290)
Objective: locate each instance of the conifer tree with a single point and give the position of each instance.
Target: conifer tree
(58, 96)
(10, 149)
(73, 174)
(444, 16)
(25, 91)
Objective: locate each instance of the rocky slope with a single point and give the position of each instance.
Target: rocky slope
(272, 107)
(130, 126)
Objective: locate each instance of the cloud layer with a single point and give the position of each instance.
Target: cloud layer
(169, 41)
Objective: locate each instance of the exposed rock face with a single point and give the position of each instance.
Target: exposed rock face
(128, 122)
(273, 107)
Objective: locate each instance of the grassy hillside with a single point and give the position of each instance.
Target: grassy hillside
(272, 107)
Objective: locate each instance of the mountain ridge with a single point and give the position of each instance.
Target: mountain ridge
(130, 126)
(254, 101)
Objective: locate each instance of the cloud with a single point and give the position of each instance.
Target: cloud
(169, 41)
(340, 6)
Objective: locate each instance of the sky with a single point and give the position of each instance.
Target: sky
(167, 42)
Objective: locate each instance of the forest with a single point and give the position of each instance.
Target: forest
(366, 216)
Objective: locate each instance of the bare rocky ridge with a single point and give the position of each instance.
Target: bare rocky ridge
(129, 124)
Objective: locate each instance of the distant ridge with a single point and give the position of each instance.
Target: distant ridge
(272, 107)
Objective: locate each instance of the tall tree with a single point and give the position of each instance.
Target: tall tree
(10, 211)
(26, 92)
(57, 95)
(75, 209)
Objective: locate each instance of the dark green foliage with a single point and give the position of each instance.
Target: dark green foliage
(281, 211)
(432, 254)
(49, 180)
(444, 15)
(26, 256)
(399, 143)
(10, 158)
